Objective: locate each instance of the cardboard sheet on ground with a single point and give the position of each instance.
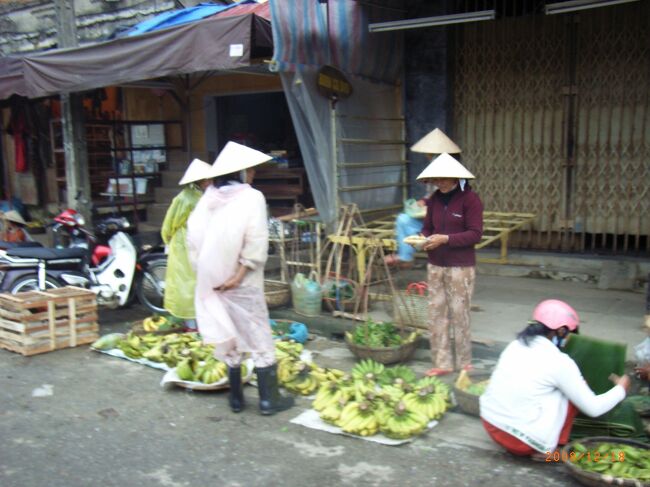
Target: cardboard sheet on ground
(116, 352)
(311, 419)
(171, 379)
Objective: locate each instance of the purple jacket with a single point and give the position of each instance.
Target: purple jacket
(462, 220)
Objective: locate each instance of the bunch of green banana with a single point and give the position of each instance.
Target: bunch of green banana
(208, 372)
(367, 370)
(615, 459)
(359, 418)
(170, 349)
(434, 384)
(401, 421)
(398, 375)
(428, 403)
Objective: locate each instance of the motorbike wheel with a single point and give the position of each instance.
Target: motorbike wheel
(150, 287)
(30, 283)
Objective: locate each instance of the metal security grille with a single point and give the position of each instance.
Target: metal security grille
(552, 115)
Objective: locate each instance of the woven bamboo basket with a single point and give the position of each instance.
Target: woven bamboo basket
(347, 304)
(384, 355)
(468, 403)
(596, 479)
(277, 293)
(411, 309)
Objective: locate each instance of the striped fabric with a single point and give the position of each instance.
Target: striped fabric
(300, 37)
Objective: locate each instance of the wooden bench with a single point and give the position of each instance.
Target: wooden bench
(497, 226)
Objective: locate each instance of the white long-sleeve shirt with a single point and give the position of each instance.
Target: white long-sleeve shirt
(530, 389)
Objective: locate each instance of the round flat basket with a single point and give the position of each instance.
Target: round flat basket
(138, 329)
(277, 294)
(468, 403)
(385, 355)
(596, 479)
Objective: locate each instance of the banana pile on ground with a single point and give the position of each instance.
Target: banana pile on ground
(376, 399)
(615, 459)
(298, 376)
(161, 323)
(185, 351)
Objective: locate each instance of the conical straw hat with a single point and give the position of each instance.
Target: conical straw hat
(436, 142)
(445, 166)
(196, 171)
(235, 157)
(14, 216)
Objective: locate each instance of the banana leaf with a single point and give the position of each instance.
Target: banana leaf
(622, 422)
(597, 359)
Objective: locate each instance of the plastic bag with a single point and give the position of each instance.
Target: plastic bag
(642, 351)
(306, 294)
(413, 209)
(297, 332)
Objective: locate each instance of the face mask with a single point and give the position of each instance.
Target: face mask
(558, 342)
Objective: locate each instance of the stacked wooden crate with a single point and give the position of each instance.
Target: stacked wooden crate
(41, 321)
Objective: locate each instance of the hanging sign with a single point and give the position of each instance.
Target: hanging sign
(332, 83)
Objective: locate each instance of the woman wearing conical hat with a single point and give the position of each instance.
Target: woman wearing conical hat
(228, 238)
(411, 220)
(453, 225)
(180, 279)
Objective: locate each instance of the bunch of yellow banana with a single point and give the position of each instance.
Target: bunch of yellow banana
(332, 413)
(430, 404)
(359, 418)
(288, 369)
(304, 384)
(153, 323)
(288, 349)
(208, 372)
(401, 422)
(329, 393)
(325, 374)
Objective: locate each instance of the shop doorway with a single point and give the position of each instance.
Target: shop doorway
(263, 121)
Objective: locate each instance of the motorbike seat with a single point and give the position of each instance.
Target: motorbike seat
(4, 245)
(45, 253)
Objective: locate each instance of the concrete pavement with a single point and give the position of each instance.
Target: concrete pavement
(75, 418)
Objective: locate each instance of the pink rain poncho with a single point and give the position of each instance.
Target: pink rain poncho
(229, 227)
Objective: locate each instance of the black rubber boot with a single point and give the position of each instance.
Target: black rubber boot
(271, 401)
(236, 397)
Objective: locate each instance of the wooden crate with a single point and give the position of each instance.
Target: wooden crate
(36, 321)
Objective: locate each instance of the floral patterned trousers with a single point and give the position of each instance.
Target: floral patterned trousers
(450, 294)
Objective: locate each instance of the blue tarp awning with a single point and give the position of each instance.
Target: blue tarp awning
(178, 17)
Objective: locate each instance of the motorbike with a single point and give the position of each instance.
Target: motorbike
(110, 262)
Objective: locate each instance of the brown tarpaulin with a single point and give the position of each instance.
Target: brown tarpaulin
(213, 44)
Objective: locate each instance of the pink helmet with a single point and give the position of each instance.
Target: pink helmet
(555, 314)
